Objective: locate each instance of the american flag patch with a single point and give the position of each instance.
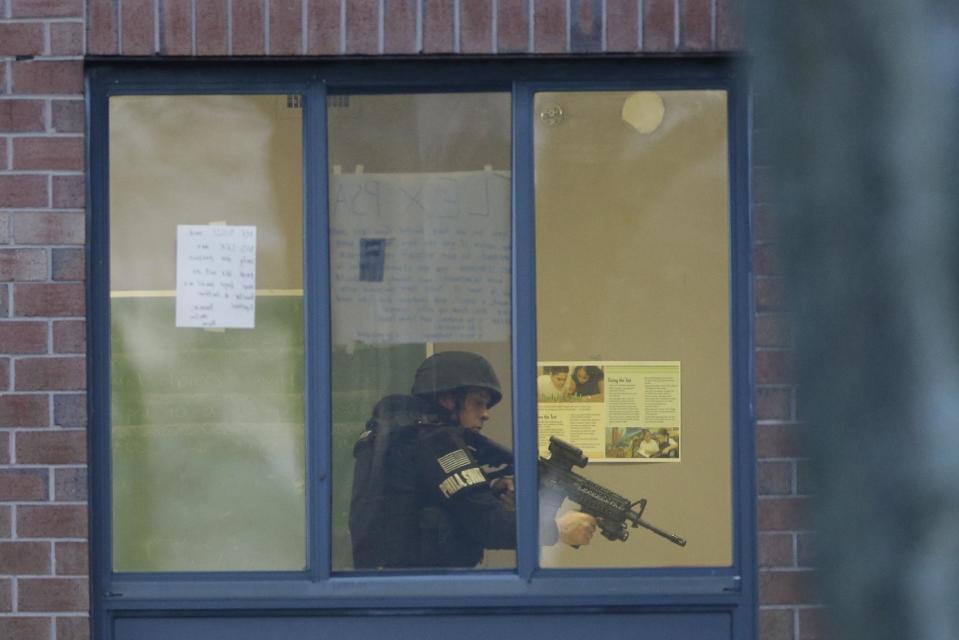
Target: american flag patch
(454, 460)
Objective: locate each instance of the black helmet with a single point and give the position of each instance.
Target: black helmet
(451, 370)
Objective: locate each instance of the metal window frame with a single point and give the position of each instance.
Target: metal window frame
(730, 589)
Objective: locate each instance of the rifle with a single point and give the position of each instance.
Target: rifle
(611, 510)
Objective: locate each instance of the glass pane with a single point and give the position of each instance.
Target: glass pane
(206, 308)
(420, 256)
(633, 320)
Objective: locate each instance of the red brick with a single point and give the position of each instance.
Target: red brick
(24, 485)
(248, 24)
(286, 27)
(138, 30)
(770, 293)
(399, 26)
(70, 410)
(22, 191)
(776, 624)
(586, 25)
(48, 299)
(6, 594)
(25, 410)
(362, 26)
(549, 26)
(72, 558)
(67, 264)
(70, 484)
(4, 164)
(4, 374)
(66, 373)
(774, 367)
(73, 628)
(773, 403)
(22, 337)
(779, 441)
(6, 232)
(59, 446)
(764, 221)
(48, 76)
(775, 550)
(786, 587)
(25, 558)
(18, 116)
(814, 624)
(438, 26)
(48, 228)
(66, 38)
(21, 38)
(50, 153)
(512, 26)
(6, 526)
(773, 330)
(805, 478)
(774, 477)
(729, 35)
(23, 264)
(46, 9)
(69, 192)
(766, 260)
(52, 594)
(476, 26)
(806, 549)
(176, 27)
(659, 25)
(69, 336)
(323, 27)
(784, 514)
(22, 628)
(4, 452)
(622, 25)
(102, 22)
(52, 521)
(696, 28)
(211, 28)
(4, 301)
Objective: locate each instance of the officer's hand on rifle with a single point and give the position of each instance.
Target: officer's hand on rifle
(504, 489)
(575, 527)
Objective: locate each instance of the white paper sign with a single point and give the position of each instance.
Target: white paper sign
(216, 276)
(420, 257)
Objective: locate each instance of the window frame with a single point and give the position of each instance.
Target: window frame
(317, 588)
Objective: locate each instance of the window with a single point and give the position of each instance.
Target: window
(272, 254)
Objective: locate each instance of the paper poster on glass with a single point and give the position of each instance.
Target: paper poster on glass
(216, 276)
(613, 411)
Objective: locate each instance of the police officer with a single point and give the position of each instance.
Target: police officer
(420, 498)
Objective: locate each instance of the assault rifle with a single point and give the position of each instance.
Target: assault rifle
(611, 510)
(556, 476)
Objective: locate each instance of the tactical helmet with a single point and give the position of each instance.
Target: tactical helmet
(451, 370)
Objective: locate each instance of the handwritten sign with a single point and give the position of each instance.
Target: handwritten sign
(216, 276)
(420, 257)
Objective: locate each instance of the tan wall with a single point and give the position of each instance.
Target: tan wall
(632, 252)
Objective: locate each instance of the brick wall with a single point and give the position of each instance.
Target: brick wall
(43, 524)
(43, 515)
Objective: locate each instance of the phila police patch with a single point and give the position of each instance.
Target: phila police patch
(454, 460)
(459, 480)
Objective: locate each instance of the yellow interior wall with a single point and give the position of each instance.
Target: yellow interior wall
(200, 159)
(632, 259)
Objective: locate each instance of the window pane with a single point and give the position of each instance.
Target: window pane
(633, 318)
(420, 258)
(206, 311)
